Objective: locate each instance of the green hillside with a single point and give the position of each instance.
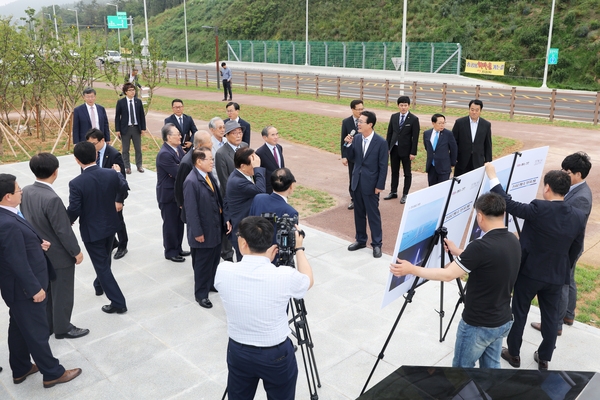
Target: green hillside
(502, 30)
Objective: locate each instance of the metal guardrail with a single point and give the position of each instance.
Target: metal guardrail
(563, 105)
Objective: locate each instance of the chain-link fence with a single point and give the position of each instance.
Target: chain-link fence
(420, 57)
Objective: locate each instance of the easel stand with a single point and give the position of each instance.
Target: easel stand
(438, 239)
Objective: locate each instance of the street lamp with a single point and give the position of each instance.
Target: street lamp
(216, 28)
(118, 30)
(544, 81)
(55, 25)
(306, 51)
(187, 56)
(402, 66)
(77, 22)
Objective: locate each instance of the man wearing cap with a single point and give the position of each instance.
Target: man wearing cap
(224, 156)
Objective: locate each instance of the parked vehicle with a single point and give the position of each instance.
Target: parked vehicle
(111, 57)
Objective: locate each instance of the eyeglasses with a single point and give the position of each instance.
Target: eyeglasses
(359, 109)
(19, 190)
(208, 159)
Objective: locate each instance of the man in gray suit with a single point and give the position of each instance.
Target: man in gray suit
(224, 156)
(578, 166)
(45, 211)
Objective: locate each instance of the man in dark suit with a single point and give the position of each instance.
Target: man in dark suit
(130, 123)
(369, 153)
(201, 139)
(107, 157)
(24, 278)
(89, 115)
(578, 166)
(473, 136)
(93, 199)
(551, 238)
(224, 156)
(441, 151)
(245, 182)
(45, 211)
(204, 213)
(270, 153)
(167, 162)
(282, 182)
(348, 125)
(184, 123)
(402, 140)
(233, 114)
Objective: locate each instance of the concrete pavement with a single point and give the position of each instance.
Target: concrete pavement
(168, 347)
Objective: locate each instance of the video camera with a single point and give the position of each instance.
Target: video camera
(285, 228)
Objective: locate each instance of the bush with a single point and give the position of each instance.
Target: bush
(582, 31)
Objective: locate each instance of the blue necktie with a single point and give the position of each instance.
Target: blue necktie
(435, 141)
(402, 121)
(20, 214)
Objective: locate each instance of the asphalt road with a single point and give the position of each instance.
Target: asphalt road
(568, 105)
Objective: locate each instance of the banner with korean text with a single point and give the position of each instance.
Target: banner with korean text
(484, 67)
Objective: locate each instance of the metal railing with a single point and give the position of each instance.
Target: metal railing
(563, 105)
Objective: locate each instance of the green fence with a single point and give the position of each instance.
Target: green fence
(420, 57)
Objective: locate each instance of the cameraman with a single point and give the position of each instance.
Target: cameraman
(259, 347)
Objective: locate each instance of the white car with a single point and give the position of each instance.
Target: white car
(110, 56)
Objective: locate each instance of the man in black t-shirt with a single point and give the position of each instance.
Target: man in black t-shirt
(492, 263)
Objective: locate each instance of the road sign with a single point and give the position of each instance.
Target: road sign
(397, 62)
(553, 57)
(118, 21)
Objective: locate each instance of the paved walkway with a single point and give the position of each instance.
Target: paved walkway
(168, 347)
(322, 170)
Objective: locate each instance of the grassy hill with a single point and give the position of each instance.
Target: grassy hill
(503, 30)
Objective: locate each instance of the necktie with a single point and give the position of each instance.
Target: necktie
(98, 159)
(275, 156)
(402, 121)
(131, 113)
(20, 214)
(365, 141)
(356, 124)
(94, 122)
(435, 141)
(181, 122)
(209, 183)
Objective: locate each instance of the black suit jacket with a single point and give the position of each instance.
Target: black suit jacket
(481, 148)
(92, 197)
(407, 137)
(24, 270)
(551, 237)
(187, 130)
(245, 128)
(348, 126)
(203, 208)
(444, 154)
(267, 161)
(185, 167)
(240, 193)
(225, 166)
(112, 157)
(167, 163)
(82, 123)
(122, 114)
(371, 169)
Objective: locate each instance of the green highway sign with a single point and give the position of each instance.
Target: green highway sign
(553, 56)
(118, 21)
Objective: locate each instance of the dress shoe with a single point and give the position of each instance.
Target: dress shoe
(403, 199)
(568, 321)
(140, 169)
(69, 375)
(351, 206)
(204, 303)
(392, 195)
(128, 171)
(74, 333)
(185, 253)
(356, 246)
(538, 327)
(120, 254)
(33, 370)
(176, 259)
(377, 252)
(110, 309)
(542, 365)
(514, 361)
(224, 100)
(99, 291)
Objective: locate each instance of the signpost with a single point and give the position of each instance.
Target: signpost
(118, 21)
(553, 56)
